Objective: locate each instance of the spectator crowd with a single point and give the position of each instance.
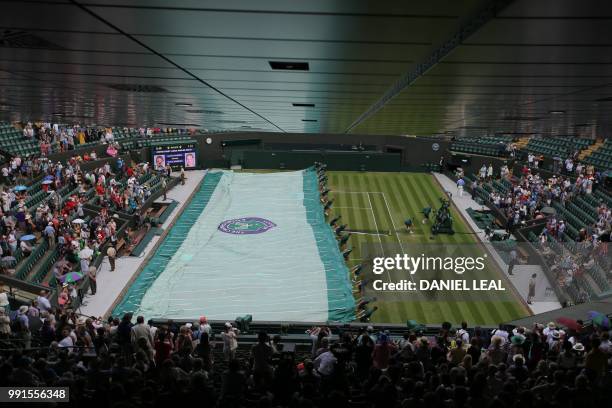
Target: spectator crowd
(56, 138)
(121, 362)
(134, 362)
(73, 211)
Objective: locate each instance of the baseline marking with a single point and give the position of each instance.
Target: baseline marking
(366, 233)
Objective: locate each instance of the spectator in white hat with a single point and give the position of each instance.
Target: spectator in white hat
(4, 300)
(230, 341)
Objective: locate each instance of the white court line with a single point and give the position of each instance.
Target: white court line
(376, 226)
(377, 230)
(393, 223)
(396, 234)
(373, 216)
(366, 233)
(375, 223)
(355, 192)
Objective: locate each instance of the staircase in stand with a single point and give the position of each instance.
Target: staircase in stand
(522, 142)
(590, 150)
(40, 269)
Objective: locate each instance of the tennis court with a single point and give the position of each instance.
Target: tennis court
(293, 271)
(376, 205)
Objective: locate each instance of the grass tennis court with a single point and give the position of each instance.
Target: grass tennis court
(381, 202)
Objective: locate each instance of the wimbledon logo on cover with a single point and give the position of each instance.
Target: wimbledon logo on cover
(246, 225)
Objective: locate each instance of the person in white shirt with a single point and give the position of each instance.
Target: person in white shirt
(519, 332)
(26, 248)
(66, 341)
(460, 184)
(325, 363)
(463, 334)
(579, 168)
(43, 302)
(152, 329)
(141, 330)
(4, 300)
(204, 326)
(500, 332)
(6, 201)
(73, 293)
(230, 341)
(549, 328)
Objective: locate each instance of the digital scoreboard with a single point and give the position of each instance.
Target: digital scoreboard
(176, 155)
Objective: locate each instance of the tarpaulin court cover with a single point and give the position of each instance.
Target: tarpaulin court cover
(247, 243)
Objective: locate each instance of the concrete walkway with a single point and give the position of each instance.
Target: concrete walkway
(545, 298)
(111, 284)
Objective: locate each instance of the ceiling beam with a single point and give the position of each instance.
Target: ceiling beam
(168, 60)
(473, 24)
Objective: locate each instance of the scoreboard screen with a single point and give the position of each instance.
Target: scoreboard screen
(177, 156)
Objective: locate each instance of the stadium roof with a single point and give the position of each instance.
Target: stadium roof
(465, 67)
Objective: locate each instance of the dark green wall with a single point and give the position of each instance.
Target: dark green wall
(415, 151)
(353, 161)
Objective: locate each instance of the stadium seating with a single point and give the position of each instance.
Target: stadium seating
(24, 269)
(599, 281)
(485, 145)
(148, 142)
(486, 188)
(561, 146)
(482, 220)
(571, 292)
(603, 196)
(12, 140)
(600, 277)
(601, 158)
